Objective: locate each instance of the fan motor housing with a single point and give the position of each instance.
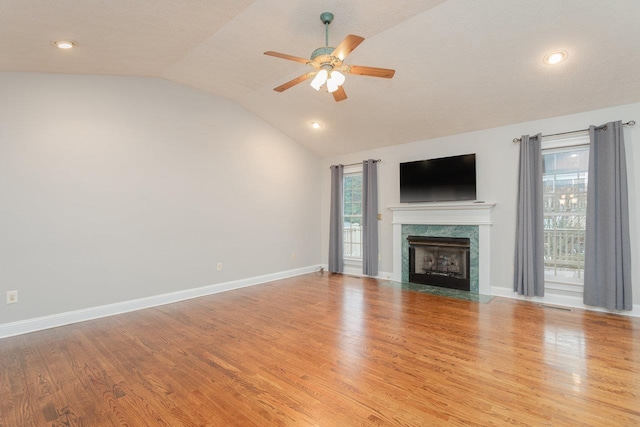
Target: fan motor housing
(326, 50)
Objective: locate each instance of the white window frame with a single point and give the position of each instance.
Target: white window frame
(351, 170)
(548, 144)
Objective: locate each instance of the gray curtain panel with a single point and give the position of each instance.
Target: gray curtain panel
(336, 258)
(529, 260)
(370, 217)
(607, 271)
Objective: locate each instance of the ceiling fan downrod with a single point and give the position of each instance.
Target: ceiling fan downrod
(326, 50)
(326, 19)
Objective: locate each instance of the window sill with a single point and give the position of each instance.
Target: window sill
(353, 262)
(567, 286)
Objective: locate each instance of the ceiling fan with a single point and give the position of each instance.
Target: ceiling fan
(328, 65)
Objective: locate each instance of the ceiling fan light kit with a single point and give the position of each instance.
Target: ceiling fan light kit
(328, 66)
(335, 81)
(319, 79)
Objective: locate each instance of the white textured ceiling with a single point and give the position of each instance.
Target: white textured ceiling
(461, 65)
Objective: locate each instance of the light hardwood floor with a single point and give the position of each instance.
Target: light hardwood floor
(327, 350)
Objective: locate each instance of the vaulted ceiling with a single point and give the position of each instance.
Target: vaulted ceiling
(461, 65)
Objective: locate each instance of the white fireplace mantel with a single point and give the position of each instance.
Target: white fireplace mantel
(454, 213)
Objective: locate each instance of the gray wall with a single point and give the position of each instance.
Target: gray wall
(115, 188)
(497, 174)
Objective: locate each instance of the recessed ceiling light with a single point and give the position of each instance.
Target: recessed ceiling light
(315, 125)
(555, 57)
(64, 44)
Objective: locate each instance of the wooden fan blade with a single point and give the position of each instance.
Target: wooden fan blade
(289, 57)
(371, 71)
(346, 46)
(340, 94)
(294, 82)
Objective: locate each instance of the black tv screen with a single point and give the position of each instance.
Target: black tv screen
(438, 180)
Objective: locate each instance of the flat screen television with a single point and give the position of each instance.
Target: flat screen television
(438, 180)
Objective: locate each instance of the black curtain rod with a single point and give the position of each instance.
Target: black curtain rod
(629, 123)
(353, 164)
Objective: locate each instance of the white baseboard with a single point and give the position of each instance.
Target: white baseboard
(561, 300)
(61, 319)
(383, 275)
(357, 271)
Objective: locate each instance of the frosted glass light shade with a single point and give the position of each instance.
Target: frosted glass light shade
(319, 79)
(331, 86)
(337, 77)
(335, 81)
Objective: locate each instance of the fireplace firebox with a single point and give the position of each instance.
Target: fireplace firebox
(440, 261)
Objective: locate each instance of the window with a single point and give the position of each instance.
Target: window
(565, 179)
(352, 214)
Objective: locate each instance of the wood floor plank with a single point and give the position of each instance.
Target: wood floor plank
(327, 350)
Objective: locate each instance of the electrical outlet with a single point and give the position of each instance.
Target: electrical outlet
(379, 217)
(12, 297)
(293, 256)
(219, 266)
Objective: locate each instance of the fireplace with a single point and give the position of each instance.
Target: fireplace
(460, 219)
(440, 261)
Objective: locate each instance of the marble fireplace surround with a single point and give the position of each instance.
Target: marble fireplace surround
(446, 219)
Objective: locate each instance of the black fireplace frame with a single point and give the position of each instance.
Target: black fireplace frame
(436, 279)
